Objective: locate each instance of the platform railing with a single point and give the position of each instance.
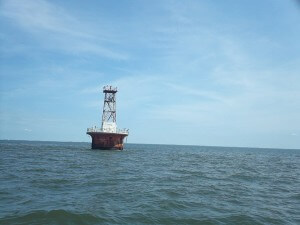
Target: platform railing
(110, 88)
(98, 129)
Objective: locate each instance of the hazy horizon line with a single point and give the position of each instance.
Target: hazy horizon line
(192, 145)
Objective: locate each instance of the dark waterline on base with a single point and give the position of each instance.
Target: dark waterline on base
(67, 183)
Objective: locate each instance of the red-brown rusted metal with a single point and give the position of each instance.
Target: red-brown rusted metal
(101, 140)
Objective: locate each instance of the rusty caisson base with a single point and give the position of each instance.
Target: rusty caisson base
(107, 141)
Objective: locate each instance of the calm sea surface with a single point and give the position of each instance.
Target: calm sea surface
(67, 183)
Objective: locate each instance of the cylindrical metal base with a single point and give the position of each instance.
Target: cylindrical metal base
(107, 141)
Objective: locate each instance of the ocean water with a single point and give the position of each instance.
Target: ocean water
(68, 183)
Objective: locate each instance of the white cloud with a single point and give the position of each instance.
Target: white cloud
(56, 28)
(40, 15)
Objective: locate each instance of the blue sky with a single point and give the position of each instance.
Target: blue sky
(221, 73)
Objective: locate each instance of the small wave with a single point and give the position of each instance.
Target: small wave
(53, 217)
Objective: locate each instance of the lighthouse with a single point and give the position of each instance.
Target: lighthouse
(108, 136)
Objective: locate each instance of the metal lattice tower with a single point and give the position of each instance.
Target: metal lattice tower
(109, 107)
